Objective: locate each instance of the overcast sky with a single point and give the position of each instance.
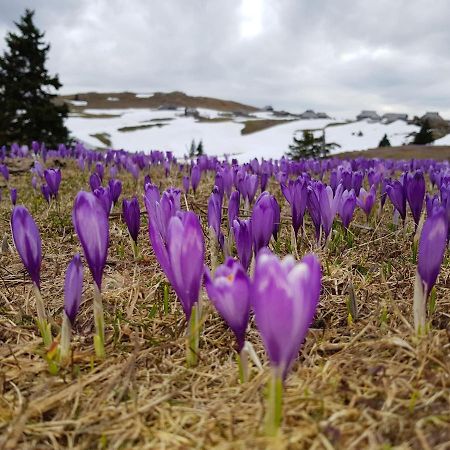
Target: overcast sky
(338, 56)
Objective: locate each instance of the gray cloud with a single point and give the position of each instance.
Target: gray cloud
(338, 56)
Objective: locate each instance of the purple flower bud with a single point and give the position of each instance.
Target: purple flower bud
(397, 194)
(233, 207)
(432, 204)
(73, 287)
(100, 170)
(94, 181)
(347, 207)
(251, 182)
(34, 182)
(357, 180)
(45, 192)
(53, 179)
(313, 205)
(242, 230)
(131, 214)
(104, 195)
(13, 196)
(263, 219)
(195, 177)
(182, 257)
(415, 193)
(215, 213)
(285, 297)
(366, 200)
(228, 290)
(328, 205)
(264, 180)
(432, 244)
(4, 171)
(186, 184)
(27, 241)
(92, 227)
(115, 189)
(295, 193)
(39, 169)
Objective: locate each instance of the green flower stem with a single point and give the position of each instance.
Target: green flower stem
(274, 407)
(99, 338)
(43, 325)
(193, 337)
(294, 244)
(135, 249)
(214, 249)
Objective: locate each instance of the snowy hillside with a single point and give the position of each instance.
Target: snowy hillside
(146, 129)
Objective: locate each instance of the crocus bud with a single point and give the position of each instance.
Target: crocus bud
(397, 194)
(347, 207)
(45, 192)
(115, 189)
(263, 220)
(92, 227)
(233, 208)
(195, 177)
(215, 214)
(415, 194)
(27, 241)
(243, 237)
(73, 287)
(13, 196)
(182, 257)
(94, 181)
(131, 214)
(366, 200)
(285, 297)
(432, 244)
(228, 290)
(53, 179)
(186, 184)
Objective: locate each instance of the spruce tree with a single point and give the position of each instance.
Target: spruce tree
(27, 91)
(385, 142)
(200, 150)
(309, 147)
(424, 136)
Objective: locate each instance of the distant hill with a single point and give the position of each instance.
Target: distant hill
(113, 100)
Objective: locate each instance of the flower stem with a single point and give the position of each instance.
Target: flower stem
(66, 332)
(99, 338)
(274, 407)
(135, 249)
(193, 337)
(419, 308)
(43, 325)
(242, 359)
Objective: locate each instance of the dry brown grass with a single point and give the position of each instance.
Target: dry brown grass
(437, 152)
(252, 126)
(369, 384)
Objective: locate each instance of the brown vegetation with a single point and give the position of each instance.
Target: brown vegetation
(437, 152)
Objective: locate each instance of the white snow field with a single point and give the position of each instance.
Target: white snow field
(224, 138)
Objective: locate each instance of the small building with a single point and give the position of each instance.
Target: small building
(322, 115)
(268, 108)
(191, 112)
(308, 114)
(392, 117)
(366, 114)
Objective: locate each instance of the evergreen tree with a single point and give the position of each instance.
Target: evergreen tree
(384, 142)
(424, 136)
(200, 150)
(192, 149)
(310, 147)
(27, 108)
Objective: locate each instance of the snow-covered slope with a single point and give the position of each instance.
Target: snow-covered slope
(171, 130)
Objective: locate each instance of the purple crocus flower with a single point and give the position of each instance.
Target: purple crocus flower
(186, 184)
(432, 244)
(27, 242)
(264, 180)
(263, 220)
(432, 204)
(182, 256)
(131, 214)
(313, 205)
(94, 181)
(195, 177)
(73, 286)
(13, 196)
(100, 170)
(251, 182)
(34, 182)
(347, 207)
(53, 179)
(104, 195)
(296, 193)
(243, 237)
(115, 189)
(285, 297)
(328, 205)
(228, 290)
(366, 200)
(233, 208)
(92, 227)
(45, 192)
(415, 193)
(215, 214)
(4, 171)
(397, 194)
